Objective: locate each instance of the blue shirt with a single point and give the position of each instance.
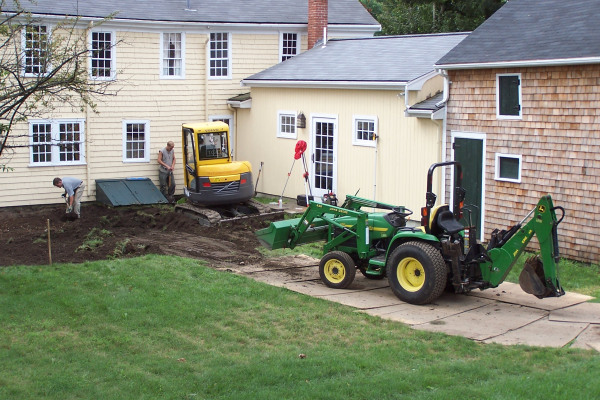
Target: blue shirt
(70, 184)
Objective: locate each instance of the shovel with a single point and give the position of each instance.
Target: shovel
(258, 177)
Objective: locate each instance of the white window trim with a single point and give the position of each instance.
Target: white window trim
(298, 44)
(359, 142)
(229, 52)
(146, 158)
(161, 57)
(497, 168)
(285, 135)
(113, 55)
(513, 117)
(22, 69)
(55, 140)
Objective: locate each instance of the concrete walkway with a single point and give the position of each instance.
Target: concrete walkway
(504, 315)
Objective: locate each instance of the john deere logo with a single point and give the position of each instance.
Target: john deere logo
(542, 209)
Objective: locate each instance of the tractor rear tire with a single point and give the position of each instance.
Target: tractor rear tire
(337, 269)
(417, 272)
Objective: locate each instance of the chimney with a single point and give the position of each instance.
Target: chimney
(317, 20)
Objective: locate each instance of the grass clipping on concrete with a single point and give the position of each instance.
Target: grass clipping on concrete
(168, 327)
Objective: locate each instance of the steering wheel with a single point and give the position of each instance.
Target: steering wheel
(404, 213)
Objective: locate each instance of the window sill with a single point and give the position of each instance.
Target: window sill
(136, 161)
(173, 77)
(370, 143)
(509, 117)
(39, 165)
(294, 137)
(507, 180)
(219, 78)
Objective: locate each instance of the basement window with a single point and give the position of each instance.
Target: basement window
(508, 168)
(508, 96)
(286, 125)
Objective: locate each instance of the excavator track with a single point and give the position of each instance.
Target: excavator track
(211, 217)
(205, 216)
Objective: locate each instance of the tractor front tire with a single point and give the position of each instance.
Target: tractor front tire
(337, 269)
(416, 272)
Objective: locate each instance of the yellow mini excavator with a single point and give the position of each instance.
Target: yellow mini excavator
(217, 188)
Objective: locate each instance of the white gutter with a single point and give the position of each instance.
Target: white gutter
(446, 87)
(524, 63)
(382, 85)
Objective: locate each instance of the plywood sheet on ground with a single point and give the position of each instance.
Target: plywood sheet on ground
(445, 306)
(318, 289)
(586, 312)
(485, 322)
(512, 293)
(279, 277)
(543, 333)
(588, 339)
(365, 299)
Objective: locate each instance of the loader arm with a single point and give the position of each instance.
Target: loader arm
(540, 279)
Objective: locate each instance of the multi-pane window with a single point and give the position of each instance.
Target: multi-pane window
(508, 103)
(219, 55)
(172, 54)
(136, 141)
(41, 137)
(57, 142)
(289, 45)
(102, 55)
(286, 124)
(364, 131)
(69, 144)
(35, 48)
(508, 167)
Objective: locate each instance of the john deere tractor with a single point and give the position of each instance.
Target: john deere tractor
(420, 262)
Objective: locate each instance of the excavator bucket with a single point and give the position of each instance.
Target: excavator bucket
(532, 279)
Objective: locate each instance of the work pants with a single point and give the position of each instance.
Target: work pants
(167, 184)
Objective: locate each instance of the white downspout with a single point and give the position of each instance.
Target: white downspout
(375, 171)
(235, 129)
(207, 72)
(443, 102)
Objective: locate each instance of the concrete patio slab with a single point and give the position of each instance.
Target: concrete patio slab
(512, 293)
(588, 339)
(543, 333)
(485, 322)
(445, 306)
(366, 299)
(586, 312)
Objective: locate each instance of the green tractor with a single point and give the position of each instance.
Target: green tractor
(421, 262)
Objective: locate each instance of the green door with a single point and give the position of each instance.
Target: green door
(469, 152)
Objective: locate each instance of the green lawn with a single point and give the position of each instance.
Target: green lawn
(168, 327)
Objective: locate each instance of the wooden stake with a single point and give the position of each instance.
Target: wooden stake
(49, 246)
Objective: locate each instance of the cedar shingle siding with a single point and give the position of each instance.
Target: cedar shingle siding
(558, 138)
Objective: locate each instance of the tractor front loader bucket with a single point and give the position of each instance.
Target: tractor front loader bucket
(278, 234)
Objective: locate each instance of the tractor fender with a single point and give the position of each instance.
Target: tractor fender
(408, 236)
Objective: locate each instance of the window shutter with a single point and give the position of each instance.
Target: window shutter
(509, 95)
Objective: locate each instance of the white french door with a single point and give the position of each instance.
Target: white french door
(323, 157)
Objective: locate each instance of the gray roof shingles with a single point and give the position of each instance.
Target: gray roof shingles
(526, 30)
(349, 12)
(430, 104)
(375, 59)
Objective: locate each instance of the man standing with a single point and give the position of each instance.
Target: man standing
(166, 161)
(73, 192)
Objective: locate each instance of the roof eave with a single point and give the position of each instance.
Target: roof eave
(522, 63)
(380, 85)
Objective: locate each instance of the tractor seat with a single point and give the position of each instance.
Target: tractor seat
(444, 222)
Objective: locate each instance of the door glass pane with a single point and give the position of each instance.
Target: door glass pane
(323, 155)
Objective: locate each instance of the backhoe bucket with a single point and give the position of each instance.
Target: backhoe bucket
(532, 279)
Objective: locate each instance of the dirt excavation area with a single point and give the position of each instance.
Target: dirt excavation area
(105, 232)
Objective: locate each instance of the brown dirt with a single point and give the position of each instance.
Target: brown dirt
(125, 232)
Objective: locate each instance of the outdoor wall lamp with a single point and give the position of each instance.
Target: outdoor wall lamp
(301, 120)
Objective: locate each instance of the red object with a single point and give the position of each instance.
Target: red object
(206, 184)
(305, 175)
(300, 148)
(242, 181)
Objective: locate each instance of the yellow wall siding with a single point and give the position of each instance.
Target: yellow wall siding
(407, 146)
(142, 95)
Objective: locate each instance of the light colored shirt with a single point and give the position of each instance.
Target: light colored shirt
(71, 184)
(167, 158)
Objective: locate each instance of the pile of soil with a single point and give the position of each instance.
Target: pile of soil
(113, 232)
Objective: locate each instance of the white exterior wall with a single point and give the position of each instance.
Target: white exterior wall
(406, 149)
(142, 95)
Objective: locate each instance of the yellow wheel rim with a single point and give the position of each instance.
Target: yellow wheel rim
(411, 274)
(335, 272)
